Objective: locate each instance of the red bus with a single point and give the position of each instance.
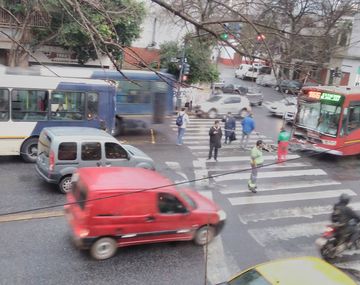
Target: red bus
(328, 120)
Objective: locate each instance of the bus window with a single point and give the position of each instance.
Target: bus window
(133, 93)
(329, 119)
(92, 105)
(354, 119)
(29, 105)
(4, 104)
(67, 105)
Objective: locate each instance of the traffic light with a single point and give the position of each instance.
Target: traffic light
(260, 37)
(224, 36)
(186, 68)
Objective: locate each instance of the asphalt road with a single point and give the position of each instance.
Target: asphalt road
(40, 251)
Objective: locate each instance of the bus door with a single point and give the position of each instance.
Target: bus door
(351, 128)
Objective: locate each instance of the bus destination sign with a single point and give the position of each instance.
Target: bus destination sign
(314, 95)
(330, 97)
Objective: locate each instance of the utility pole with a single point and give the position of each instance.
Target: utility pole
(182, 61)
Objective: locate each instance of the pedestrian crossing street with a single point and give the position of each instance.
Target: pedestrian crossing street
(293, 202)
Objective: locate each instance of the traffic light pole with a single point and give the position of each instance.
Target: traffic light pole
(181, 70)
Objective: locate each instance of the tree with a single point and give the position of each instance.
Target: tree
(74, 29)
(198, 55)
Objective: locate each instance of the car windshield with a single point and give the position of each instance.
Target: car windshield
(323, 118)
(308, 114)
(214, 99)
(329, 119)
(251, 277)
(188, 199)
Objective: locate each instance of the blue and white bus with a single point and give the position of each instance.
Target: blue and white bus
(140, 94)
(30, 103)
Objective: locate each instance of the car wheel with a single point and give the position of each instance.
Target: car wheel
(103, 248)
(65, 184)
(29, 150)
(212, 114)
(243, 113)
(204, 235)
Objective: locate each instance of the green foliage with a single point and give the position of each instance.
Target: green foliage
(114, 20)
(198, 56)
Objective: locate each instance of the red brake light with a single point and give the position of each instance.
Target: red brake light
(51, 161)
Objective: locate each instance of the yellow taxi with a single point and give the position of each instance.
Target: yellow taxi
(292, 271)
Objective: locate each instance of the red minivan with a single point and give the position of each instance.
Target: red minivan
(112, 207)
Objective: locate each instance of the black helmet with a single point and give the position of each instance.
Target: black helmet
(344, 199)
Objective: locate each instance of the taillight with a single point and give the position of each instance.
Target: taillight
(51, 161)
(329, 231)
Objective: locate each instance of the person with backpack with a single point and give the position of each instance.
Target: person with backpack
(248, 125)
(230, 125)
(181, 121)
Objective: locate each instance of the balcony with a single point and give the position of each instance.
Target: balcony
(36, 20)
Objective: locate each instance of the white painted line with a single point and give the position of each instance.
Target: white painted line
(284, 186)
(257, 199)
(271, 174)
(174, 165)
(203, 136)
(247, 158)
(296, 212)
(201, 141)
(266, 236)
(200, 176)
(199, 164)
(236, 146)
(246, 167)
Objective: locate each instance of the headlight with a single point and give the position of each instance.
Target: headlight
(83, 233)
(222, 215)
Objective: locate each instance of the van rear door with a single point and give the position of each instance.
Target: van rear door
(44, 145)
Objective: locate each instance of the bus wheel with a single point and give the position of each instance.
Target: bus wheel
(29, 150)
(65, 184)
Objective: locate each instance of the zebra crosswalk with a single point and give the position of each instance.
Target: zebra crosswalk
(293, 202)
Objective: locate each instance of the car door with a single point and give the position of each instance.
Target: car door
(232, 104)
(116, 155)
(173, 221)
(91, 154)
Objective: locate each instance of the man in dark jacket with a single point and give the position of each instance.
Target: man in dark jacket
(215, 134)
(230, 125)
(346, 219)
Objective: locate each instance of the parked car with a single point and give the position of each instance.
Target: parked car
(111, 207)
(292, 271)
(220, 105)
(267, 80)
(218, 85)
(62, 150)
(234, 88)
(279, 108)
(289, 87)
(255, 96)
(248, 71)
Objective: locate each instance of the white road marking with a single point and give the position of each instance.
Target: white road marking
(271, 174)
(265, 236)
(201, 141)
(247, 158)
(284, 185)
(296, 212)
(220, 266)
(174, 165)
(257, 199)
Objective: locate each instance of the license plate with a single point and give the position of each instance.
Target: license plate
(321, 242)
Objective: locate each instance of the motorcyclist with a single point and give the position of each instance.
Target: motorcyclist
(346, 220)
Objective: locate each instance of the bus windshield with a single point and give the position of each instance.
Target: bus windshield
(320, 117)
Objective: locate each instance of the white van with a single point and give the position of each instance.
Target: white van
(248, 71)
(266, 77)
